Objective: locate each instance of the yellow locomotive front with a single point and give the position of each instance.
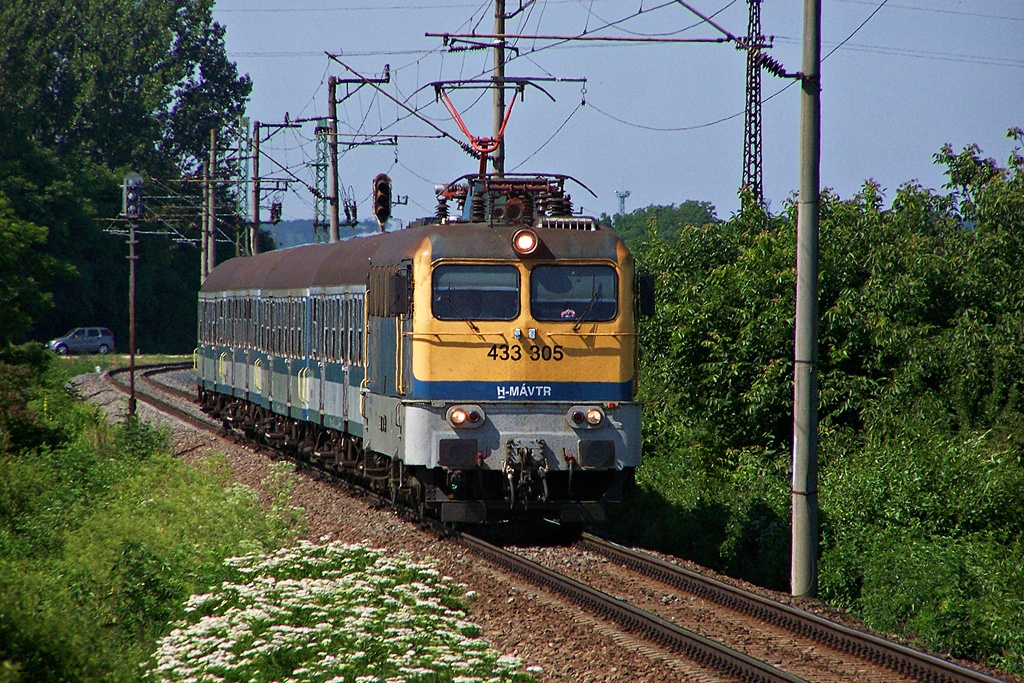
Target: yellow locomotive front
(515, 368)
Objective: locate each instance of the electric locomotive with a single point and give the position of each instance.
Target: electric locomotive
(479, 366)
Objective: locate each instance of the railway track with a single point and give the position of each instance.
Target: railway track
(899, 658)
(644, 624)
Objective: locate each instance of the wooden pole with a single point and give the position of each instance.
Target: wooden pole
(211, 214)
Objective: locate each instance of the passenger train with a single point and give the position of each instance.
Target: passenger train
(478, 366)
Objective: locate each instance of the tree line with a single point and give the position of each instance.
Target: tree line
(91, 90)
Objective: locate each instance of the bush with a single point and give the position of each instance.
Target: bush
(921, 403)
(103, 534)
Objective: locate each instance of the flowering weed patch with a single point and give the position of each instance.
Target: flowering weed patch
(332, 613)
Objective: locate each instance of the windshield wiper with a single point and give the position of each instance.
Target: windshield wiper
(579, 320)
(451, 302)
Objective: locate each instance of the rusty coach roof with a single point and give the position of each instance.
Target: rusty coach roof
(311, 265)
(348, 262)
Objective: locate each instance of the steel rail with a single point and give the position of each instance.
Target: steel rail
(900, 658)
(651, 627)
(156, 402)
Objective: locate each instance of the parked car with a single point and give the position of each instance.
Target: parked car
(84, 340)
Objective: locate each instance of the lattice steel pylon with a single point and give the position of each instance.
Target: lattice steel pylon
(752, 119)
(321, 221)
(240, 144)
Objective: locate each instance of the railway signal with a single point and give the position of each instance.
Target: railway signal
(131, 206)
(382, 198)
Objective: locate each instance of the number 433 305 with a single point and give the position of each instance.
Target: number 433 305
(517, 352)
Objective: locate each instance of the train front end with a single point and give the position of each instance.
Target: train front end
(522, 349)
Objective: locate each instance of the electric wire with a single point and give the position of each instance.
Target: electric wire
(552, 137)
(740, 113)
(936, 10)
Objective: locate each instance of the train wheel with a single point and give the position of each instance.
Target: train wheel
(417, 499)
(395, 481)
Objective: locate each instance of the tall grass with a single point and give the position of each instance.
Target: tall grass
(105, 535)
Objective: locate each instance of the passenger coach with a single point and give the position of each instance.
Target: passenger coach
(481, 368)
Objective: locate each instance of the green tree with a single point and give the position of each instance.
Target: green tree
(668, 220)
(921, 402)
(24, 273)
(91, 89)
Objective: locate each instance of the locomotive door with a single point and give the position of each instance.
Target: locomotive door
(400, 306)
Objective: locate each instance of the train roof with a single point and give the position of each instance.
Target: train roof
(348, 262)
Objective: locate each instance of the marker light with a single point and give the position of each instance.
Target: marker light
(577, 416)
(524, 242)
(594, 416)
(465, 416)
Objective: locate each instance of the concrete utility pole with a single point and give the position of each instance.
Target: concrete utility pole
(332, 148)
(498, 157)
(211, 214)
(254, 230)
(804, 561)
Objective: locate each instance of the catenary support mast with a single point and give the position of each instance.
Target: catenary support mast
(804, 561)
(498, 156)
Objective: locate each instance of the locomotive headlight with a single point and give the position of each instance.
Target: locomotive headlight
(525, 242)
(594, 417)
(465, 416)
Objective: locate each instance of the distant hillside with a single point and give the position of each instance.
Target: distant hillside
(295, 232)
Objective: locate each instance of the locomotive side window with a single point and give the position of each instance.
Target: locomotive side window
(571, 292)
(475, 292)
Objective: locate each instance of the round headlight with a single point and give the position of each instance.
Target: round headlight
(525, 242)
(458, 417)
(594, 416)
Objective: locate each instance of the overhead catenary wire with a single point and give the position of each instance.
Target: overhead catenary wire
(740, 113)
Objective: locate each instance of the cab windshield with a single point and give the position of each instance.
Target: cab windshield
(475, 292)
(573, 292)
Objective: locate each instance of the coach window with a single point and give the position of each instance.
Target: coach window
(573, 292)
(278, 329)
(475, 292)
(250, 323)
(295, 328)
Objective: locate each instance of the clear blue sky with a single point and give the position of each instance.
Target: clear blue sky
(917, 75)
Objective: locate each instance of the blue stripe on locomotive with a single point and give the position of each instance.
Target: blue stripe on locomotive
(523, 391)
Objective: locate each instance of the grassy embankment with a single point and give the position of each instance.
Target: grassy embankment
(105, 535)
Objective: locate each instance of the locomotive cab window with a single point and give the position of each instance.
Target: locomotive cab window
(573, 292)
(475, 292)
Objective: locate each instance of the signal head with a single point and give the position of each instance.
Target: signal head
(382, 198)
